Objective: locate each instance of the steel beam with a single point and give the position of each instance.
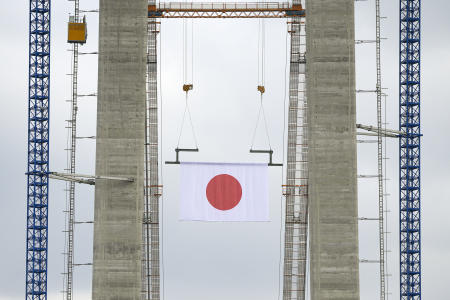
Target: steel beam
(225, 10)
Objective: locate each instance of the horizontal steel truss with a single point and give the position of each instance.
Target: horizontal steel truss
(225, 10)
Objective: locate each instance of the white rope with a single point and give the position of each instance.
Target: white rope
(261, 80)
(265, 122)
(192, 51)
(182, 122)
(266, 127)
(263, 52)
(185, 78)
(184, 50)
(256, 127)
(190, 121)
(258, 49)
(188, 113)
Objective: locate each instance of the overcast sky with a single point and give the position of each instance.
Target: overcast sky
(222, 261)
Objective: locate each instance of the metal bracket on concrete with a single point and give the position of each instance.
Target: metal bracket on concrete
(369, 261)
(83, 222)
(177, 155)
(86, 179)
(79, 265)
(373, 131)
(368, 176)
(270, 152)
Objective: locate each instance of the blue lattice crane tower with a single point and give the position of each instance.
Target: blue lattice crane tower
(38, 150)
(410, 244)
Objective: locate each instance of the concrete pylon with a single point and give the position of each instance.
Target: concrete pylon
(120, 150)
(333, 204)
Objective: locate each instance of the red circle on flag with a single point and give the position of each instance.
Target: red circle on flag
(224, 192)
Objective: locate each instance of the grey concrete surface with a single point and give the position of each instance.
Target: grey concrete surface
(120, 150)
(333, 208)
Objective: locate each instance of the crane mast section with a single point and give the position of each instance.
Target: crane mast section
(409, 148)
(38, 149)
(225, 10)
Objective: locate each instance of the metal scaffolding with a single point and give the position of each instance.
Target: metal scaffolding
(72, 127)
(296, 188)
(152, 190)
(38, 149)
(409, 148)
(380, 136)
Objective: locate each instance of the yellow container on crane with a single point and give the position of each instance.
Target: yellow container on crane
(77, 31)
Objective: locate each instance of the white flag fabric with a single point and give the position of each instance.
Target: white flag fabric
(224, 192)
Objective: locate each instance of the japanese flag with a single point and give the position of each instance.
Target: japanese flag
(224, 192)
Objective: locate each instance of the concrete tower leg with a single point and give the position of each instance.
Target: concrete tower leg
(333, 209)
(120, 150)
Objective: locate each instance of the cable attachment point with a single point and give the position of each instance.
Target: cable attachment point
(188, 87)
(261, 89)
(270, 152)
(177, 155)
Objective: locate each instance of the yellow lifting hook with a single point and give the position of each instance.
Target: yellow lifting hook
(187, 87)
(261, 89)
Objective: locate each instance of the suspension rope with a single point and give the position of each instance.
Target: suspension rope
(184, 51)
(256, 127)
(265, 122)
(185, 41)
(257, 49)
(190, 121)
(187, 86)
(187, 112)
(182, 122)
(261, 51)
(266, 127)
(261, 81)
(192, 51)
